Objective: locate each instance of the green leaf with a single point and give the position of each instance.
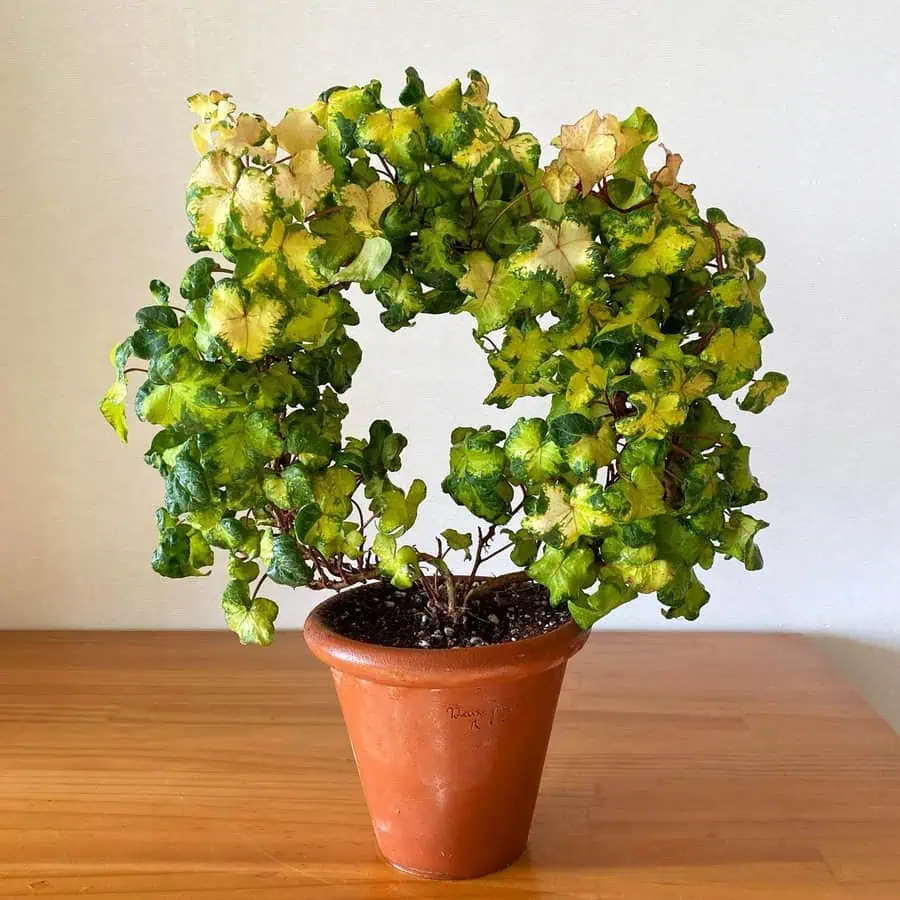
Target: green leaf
(667, 254)
(456, 540)
(764, 392)
(654, 417)
(198, 281)
(399, 564)
(493, 292)
(397, 511)
(611, 593)
(591, 452)
(476, 478)
(532, 457)
(187, 486)
(569, 429)
(559, 516)
(639, 496)
(565, 574)
(368, 264)
(744, 487)
(435, 259)
(684, 596)
(525, 547)
(242, 569)
(292, 489)
(253, 621)
(287, 565)
(181, 552)
(736, 355)
(241, 445)
(737, 539)
(332, 490)
(160, 291)
(414, 90)
(523, 366)
(396, 134)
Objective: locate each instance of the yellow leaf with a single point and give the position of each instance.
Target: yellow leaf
(212, 109)
(297, 250)
(560, 180)
(113, 407)
(367, 205)
(246, 322)
(222, 192)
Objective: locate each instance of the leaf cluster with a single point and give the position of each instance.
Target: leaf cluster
(592, 281)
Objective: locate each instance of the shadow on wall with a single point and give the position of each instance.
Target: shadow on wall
(872, 667)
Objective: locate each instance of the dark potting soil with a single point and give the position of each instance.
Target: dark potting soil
(382, 614)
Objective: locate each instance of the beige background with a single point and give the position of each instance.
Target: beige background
(785, 115)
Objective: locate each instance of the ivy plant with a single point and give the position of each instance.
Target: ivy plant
(592, 281)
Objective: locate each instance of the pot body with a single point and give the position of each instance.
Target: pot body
(449, 744)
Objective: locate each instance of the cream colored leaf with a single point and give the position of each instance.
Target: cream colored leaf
(589, 147)
(566, 252)
(300, 183)
(560, 180)
(248, 135)
(212, 109)
(215, 106)
(298, 131)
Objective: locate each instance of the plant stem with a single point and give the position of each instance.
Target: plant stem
(494, 553)
(134, 369)
(259, 584)
(362, 518)
(387, 169)
(448, 580)
(720, 263)
(523, 193)
(488, 585)
(321, 212)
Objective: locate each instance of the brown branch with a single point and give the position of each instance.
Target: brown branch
(494, 553)
(322, 212)
(720, 262)
(494, 583)
(387, 169)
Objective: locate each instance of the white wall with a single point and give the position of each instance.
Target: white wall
(784, 113)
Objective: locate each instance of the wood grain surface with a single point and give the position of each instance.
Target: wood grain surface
(683, 766)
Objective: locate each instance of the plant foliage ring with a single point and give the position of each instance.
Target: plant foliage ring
(592, 281)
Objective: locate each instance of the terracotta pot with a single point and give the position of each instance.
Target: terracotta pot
(449, 744)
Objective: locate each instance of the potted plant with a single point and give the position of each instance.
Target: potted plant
(592, 281)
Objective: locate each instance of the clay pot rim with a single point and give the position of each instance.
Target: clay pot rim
(422, 667)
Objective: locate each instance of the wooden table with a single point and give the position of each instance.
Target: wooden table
(683, 766)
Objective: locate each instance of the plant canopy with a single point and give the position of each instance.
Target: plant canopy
(592, 281)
